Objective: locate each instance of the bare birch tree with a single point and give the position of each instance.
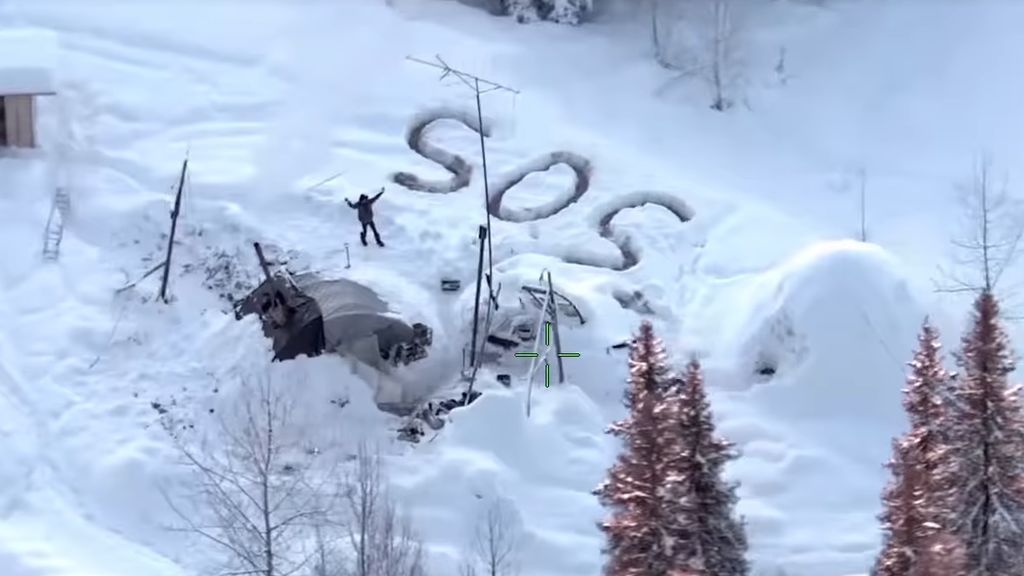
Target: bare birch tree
(990, 237)
(379, 541)
(255, 494)
(496, 541)
(700, 39)
(723, 54)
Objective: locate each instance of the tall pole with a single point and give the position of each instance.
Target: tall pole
(475, 86)
(174, 227)
(476, 302)
(487, 189)
(554, 324)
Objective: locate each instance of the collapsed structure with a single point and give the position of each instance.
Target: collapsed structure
(306, 315)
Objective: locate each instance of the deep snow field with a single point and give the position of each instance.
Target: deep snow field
(740, 223)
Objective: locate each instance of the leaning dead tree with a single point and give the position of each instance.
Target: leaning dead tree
(255, 496)
(174, 228)
(165, 264)
(988, 243)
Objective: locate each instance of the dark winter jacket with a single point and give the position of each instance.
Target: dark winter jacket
(365, 207)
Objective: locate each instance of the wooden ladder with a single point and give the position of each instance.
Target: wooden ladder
(60, 209)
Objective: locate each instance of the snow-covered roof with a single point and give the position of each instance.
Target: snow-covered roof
(28, 60)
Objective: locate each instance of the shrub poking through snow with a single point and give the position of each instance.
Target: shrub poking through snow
(561, 11)
(671, 512)
(988, 439)
(916, 502)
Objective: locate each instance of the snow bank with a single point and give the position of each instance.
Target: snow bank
(807, 364)
(17, 437)
(543, 468)
(27, 186)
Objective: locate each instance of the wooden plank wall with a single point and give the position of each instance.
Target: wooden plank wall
(20, 120)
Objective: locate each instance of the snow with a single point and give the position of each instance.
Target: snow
(728, 231)
(28, 60)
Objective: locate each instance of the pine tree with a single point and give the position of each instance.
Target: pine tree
(916, 502)
(712, 540)
(642, 519)
(929, 411)
(943, 556)
(988, 439)
(902, 519)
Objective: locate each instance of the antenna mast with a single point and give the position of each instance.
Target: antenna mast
(479, 86)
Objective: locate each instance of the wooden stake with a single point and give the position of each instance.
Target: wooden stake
(174, 227)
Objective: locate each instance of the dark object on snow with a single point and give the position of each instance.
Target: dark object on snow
(364, 208)
(422, 334)
(416, 349)
(431, 416)
(524, 331)
(502, 342)
(619, 346)
(450, 285)
(411, 432)
(505, 380)
(332, 316)
(766, 370)
(635, 301)
(445, 406)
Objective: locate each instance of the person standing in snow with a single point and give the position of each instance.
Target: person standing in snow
(364, 207)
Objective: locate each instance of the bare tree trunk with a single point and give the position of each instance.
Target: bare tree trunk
(659, 54)
(719, 55)
(265, 509)
(496, 540)
(381, 540)
(989, 243)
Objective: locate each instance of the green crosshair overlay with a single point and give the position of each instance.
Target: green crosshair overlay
(547, 366)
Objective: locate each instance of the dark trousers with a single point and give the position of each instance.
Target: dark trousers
(371, 226)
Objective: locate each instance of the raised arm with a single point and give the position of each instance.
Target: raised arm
(374, 199)
(349, 202)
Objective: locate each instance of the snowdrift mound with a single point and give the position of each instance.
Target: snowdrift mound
(28, 186)
(541, 469)
(812, 368)
(16, 438)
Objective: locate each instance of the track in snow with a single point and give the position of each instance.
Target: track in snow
(462, 172)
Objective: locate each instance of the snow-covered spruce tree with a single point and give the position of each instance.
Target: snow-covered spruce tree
(902, 521)
(644, 514)
(944, 556)
(561, 11)
(712, 540)
(987, 437)
(916, 502)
